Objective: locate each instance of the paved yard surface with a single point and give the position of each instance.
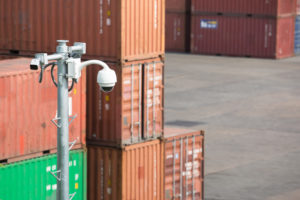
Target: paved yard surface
(250, 110)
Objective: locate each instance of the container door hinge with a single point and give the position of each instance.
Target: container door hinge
(71, 196)
(55, 173)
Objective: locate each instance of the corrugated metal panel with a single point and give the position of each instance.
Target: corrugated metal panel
(256, 7)
(113, 30)
(134, 172)
(178, 5)
(184, 164)
(176, 32)
(115, 118)
(243, 36)
(26, 108)
(31, 179)
(297, 35)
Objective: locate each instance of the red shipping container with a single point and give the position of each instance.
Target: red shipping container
(243, 36)
(120, 117)
(184, 164)
(113, 30)
(178, 5)
(133, 172)
(254, 7)
(176, 32)
(26, 108)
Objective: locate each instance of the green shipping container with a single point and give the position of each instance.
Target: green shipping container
(31, 179)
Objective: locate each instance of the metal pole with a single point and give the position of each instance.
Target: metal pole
(68, 67)
(63, 121)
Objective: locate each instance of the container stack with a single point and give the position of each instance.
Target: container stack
(28, 138)
(125, 126)
(178, 25)
(123, 132)
(243, 28)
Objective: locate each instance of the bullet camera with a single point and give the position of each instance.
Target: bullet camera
(106, 79)
(34, 64)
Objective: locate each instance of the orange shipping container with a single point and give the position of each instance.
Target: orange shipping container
(134, 172)
(184, 164)
(26, 108)
(113, 30)
(120, 117)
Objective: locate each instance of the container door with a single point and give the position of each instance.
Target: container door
(193, 168)
(132, 104)
(153, 100)
(174, 169)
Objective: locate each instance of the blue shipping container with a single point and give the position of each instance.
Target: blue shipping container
(297, 35)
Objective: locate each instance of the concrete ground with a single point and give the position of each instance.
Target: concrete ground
(250, 110)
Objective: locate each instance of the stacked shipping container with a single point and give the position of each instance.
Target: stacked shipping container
(132, 172)
(177, 25)
(124, 126)
(183, 164)
(113, 30)
(28, 137)
(133, 111)
(31, 179)
(243, 28)
(26, 110)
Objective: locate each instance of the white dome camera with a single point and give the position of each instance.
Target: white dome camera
(106, 79)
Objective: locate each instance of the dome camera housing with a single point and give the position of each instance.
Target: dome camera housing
(106, 79)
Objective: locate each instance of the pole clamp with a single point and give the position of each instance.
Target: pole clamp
(54, 121)
(55, 176)
(72, 119)
(71, 196)
(72, 143)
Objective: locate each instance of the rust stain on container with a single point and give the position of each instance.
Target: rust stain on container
(116, 118)
(184, 164)
(176, 32)
(113, 30)
(243, 36)
(26, 108)
(256, 7)
(133, 172)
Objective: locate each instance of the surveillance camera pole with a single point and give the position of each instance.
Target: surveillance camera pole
(69, 67)
(63, 121)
